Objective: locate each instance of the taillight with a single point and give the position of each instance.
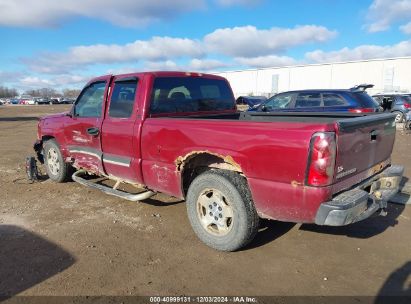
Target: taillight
(361, 110)
(407, 105)
(321, 161)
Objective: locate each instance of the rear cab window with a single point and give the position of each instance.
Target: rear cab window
(190, 95)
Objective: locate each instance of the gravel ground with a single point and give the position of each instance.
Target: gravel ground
(65, 239)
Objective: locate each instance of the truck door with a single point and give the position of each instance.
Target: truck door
(121, 129)
(83, 130)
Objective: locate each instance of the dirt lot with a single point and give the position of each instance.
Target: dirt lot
(65, 239)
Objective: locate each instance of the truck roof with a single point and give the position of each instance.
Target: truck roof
(162, 74)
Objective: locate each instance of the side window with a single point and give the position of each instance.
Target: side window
(279, 101)
(333, 100)
(122, 99)
(308, 100)
(90, 102)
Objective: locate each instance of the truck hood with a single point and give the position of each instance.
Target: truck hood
(52, 116)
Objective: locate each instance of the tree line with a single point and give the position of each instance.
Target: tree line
(6, 92)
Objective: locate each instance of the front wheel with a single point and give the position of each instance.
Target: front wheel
(56, 168)
(221, 211)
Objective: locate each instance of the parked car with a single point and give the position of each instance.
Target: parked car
(354, 100)
(190, 142)
(14, 101)
(41, 100)
(67, 100)
(250, 101)
(397, 103)
(26, 100)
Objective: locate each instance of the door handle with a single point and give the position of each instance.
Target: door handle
(93, 131)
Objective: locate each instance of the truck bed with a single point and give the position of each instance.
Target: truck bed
(272, 150)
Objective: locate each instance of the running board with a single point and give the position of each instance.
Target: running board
(106, 189)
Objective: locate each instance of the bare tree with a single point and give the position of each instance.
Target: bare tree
(7, 92)
(71, 93)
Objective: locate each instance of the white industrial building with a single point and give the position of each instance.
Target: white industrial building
(391, 74)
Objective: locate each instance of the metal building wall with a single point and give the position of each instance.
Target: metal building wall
(393, 74)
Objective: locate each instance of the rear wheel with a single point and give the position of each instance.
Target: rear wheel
(399, 117)
(56, 168)
(221, 211)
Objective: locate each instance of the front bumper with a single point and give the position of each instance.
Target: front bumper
(362, 201)
(38, 148)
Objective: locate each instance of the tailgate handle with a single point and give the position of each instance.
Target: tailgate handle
(374, 134)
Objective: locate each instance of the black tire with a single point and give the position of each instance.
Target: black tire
(399, 116)
(238, 230)
(52, 154)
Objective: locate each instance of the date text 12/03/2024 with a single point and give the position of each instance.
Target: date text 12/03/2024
(202, 299)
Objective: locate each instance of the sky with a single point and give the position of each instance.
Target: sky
(64, 43)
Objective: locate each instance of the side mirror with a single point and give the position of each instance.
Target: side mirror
(71, 113)
(263, 108)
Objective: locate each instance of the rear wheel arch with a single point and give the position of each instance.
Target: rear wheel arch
(196, 163)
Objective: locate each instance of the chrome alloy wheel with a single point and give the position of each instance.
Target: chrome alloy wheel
(215, 212)
(53, 161)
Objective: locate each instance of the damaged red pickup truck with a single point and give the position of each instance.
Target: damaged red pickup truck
(180, 134)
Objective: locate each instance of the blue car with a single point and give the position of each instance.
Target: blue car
(354, 100)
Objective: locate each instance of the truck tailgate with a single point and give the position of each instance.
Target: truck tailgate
(364, 146)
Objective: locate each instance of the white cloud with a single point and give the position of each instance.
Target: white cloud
(195, 65)
(406, 28)
(361, 52)
(49, 13)
(248, 41)
(6, 76)
(32, 81)
(167, 65)
(382, 13)
(64, 80)
(156, 49)
(245, 42)
(266, 61)
(204, 65)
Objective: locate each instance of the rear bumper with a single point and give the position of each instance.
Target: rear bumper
(362, 201)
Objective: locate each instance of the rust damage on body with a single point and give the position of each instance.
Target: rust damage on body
(220, 161)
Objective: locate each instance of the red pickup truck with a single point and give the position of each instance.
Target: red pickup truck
(180, 134)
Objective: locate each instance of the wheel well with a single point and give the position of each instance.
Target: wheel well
(46, 138)
(196, 163)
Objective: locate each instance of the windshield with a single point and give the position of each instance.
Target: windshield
(280, 101)
(189, 94)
